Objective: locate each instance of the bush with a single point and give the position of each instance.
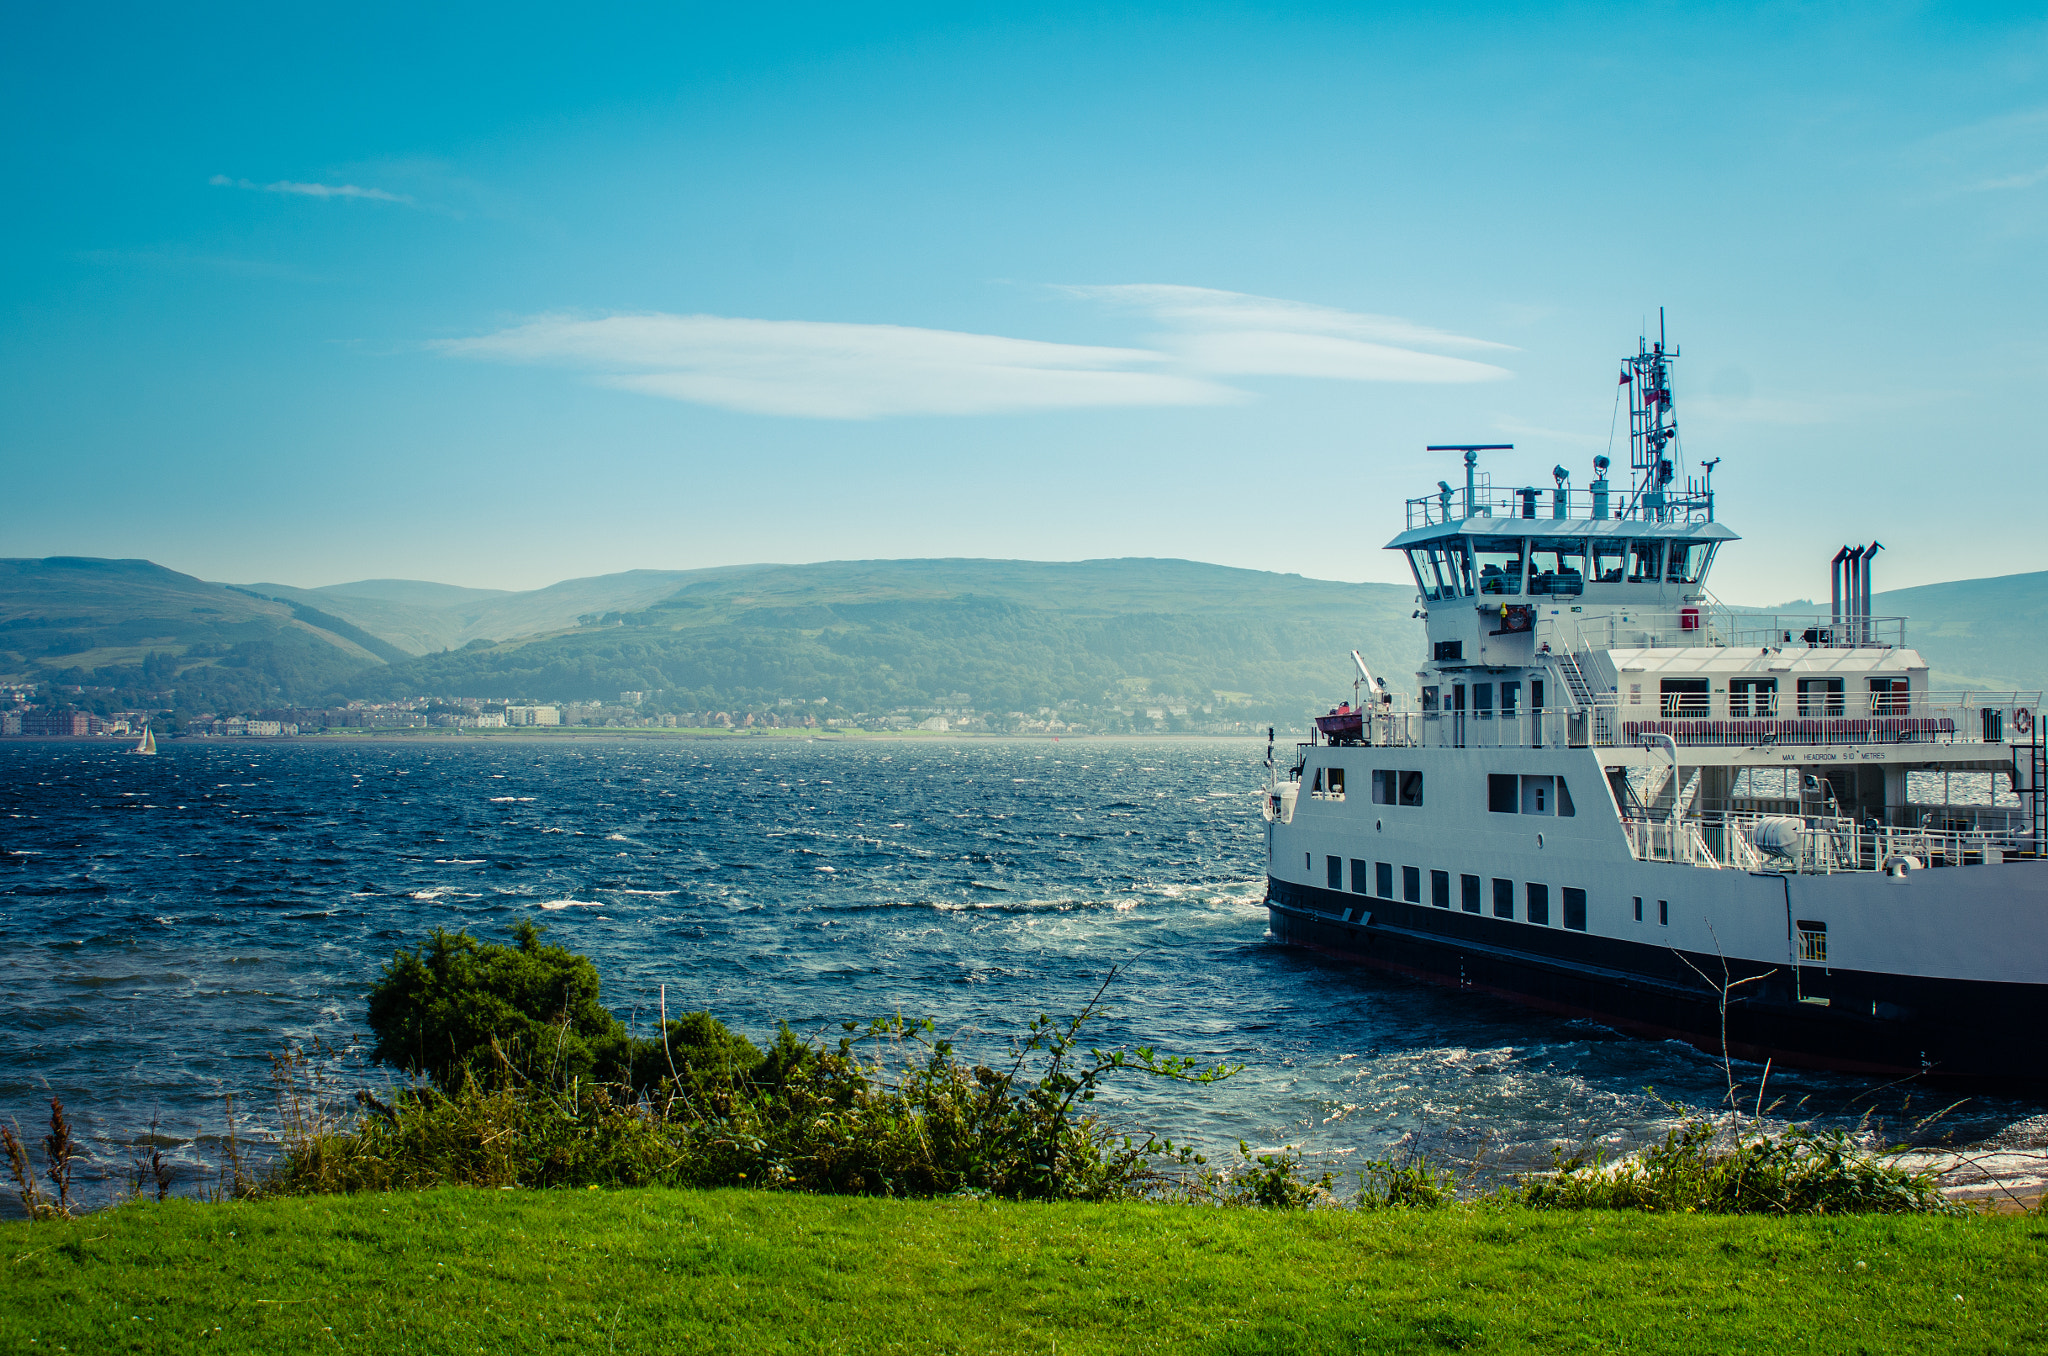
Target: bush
(454, 1003)
(521, 1096)
(1700, 1168)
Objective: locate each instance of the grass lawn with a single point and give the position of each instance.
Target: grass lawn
(461, 1270)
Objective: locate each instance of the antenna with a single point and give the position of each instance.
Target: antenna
(1471, 451)
(1652, 424)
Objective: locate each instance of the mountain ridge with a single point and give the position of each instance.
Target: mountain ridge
(1027, 634)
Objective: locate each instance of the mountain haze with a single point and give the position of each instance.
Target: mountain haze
(863, 636)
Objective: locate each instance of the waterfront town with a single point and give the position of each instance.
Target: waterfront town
(49, 711)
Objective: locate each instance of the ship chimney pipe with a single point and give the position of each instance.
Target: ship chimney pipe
(1855, 583)
(1863, 577)
(1836, 578)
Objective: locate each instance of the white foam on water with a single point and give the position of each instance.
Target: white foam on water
(571, 904)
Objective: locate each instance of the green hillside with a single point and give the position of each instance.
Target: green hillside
(873, 636)
(1094, 640)
(420, 617)
(144, 633)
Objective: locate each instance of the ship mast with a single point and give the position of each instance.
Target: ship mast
(1652, 423)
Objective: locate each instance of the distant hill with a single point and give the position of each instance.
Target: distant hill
(997, 635)
(148, 632)
(420, 617)
(866, 636)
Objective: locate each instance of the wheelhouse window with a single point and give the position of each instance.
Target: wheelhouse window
(1686, 562)
(1820, 696)
(1557, 567)
(1610, 561)
(1499, 561)
(1644, 560)
(1510, 699)
(1683, 697)
(1752, 697)
(1441, 569)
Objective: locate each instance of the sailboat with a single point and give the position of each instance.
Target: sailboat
(148, 744)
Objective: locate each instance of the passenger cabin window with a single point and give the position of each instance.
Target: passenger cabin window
(1508, 794)
(1683, 697)
(1888, 696)
(1820, 696)
(1482, 700)
(1610, 561)
(1393, 787)
(1500, 564)
(1510, 698)
(1557, 568)
(1748, 697)
(1644, 559)
(1502, 797)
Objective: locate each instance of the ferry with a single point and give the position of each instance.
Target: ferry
(1613, 797)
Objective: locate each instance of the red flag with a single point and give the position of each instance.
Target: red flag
(1624, 377)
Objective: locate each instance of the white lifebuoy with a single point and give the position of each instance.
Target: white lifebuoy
(2022, 720)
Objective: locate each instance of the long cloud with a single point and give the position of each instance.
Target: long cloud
(830, 370)
(310, 190)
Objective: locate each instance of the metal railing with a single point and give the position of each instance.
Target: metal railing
(1613, 720)
(1534, 502)
(1715, 626)
(1812, 844)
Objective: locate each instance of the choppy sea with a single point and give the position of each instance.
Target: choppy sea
(167, 923)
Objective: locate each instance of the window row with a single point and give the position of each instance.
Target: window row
(1377, 880)
(1480, 697)
(1463, 567)
(1508, 794)
(1758, 697)
(1390, 786)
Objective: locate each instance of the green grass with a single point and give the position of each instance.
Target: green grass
(744, 1271)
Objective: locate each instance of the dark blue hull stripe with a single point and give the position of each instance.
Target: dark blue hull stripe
(1855, 1021)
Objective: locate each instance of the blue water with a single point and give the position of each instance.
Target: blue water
(167, 923)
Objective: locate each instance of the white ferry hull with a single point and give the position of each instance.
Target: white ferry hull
(1893, 1023)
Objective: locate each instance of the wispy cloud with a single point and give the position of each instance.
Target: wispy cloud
(1238, 334)
(834, 370)
(311, 190)
(2024, 180)
(826, 370)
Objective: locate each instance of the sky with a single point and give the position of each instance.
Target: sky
(503, 295)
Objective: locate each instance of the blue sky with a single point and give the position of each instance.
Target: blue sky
(502, 296)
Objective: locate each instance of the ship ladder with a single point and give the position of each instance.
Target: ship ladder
(1581, 693)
